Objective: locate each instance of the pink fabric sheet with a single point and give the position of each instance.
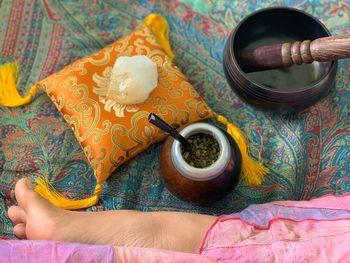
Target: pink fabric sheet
(34, 251)
(306, 231)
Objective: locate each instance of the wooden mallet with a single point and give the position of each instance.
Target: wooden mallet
(288, 54)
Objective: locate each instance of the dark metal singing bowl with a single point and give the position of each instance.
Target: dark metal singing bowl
(285, 90)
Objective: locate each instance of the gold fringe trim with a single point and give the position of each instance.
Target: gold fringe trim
(253, 172)
(9, 95)
(160, 28)
(45, 189)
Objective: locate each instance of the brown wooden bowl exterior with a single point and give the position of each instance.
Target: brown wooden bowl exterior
(199, 192)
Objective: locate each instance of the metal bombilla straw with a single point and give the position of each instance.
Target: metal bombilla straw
(161, 124)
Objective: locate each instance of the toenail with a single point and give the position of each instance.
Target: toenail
(29, 184)
(12, 195)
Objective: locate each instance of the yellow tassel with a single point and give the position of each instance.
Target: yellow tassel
(252, 171)
(46, 190)
(160, 28)
(9, 95)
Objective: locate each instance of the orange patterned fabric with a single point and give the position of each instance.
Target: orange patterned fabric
(112, 133)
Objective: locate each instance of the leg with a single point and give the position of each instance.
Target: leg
(36, 218)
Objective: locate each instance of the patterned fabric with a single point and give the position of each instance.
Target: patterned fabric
(109, 132)
(307, 152)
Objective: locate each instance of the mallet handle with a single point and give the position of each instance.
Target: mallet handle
(287, 54)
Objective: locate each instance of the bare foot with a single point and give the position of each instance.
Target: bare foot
(36, 218)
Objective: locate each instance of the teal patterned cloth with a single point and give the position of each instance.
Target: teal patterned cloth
(307, 153)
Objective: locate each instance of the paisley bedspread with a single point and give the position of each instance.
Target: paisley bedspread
(308, 153)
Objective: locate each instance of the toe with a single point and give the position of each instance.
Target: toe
(23, 191)
(17, 214)
(20, 231)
